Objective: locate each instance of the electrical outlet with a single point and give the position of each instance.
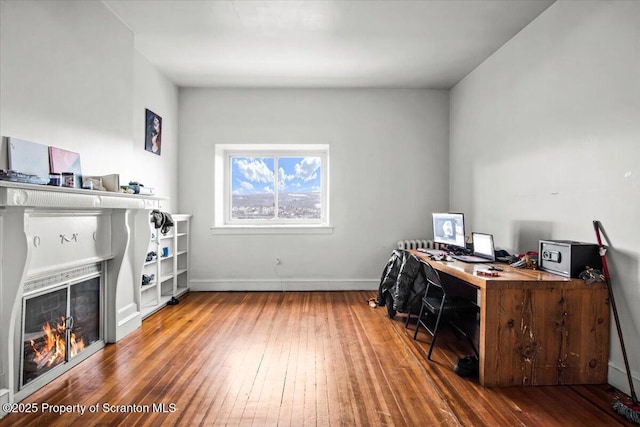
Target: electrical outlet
(278, 261)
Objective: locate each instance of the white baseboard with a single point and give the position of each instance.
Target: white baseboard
(126, 312)
(4, 398)
(290, 285)
(617, 377)
(129, 319)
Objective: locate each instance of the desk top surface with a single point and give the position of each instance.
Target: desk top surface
(509, 277)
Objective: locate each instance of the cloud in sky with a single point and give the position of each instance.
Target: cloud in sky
(256, 175)
(254, 169)
(283, 178)
(307, 168)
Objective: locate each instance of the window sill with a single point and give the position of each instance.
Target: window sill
(272, 229)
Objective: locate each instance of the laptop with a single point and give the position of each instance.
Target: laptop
(483, 249)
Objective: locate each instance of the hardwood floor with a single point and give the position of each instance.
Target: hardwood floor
(295, 359)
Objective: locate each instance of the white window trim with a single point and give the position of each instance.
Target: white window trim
(222, 223)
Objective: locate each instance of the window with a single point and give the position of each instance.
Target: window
(271, 186)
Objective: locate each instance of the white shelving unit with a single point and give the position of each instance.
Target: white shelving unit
(169, 268)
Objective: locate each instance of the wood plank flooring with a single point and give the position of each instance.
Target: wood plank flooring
(295, 359)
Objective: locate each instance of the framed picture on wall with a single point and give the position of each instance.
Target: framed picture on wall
(153, 132)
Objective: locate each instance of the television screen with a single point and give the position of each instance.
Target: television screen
(448, 229)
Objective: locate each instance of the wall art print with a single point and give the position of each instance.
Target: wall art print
(66, 162)
(28, 157)
(153, 132)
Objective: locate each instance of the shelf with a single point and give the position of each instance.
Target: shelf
(145, 288)
(171, 272)
(149, 305)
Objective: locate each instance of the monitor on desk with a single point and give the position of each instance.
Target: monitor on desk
(448, 229)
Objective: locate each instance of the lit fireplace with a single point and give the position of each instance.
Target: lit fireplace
(52, 241)
(59, 324)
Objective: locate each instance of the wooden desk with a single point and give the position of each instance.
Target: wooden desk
(537, 328)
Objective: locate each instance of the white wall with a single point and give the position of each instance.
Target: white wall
(388, 157)
(67, 80)
(154, 91)
(70, 78)
(544, 139)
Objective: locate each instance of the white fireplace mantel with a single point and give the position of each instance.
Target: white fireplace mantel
(43, 196)
(36, 222)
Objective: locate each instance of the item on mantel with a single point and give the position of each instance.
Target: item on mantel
(104, 182)
(68, 164)
(55, 179)
(92, 183)
(28, 158)
(68, 179)
(9, 175)
(136, 188)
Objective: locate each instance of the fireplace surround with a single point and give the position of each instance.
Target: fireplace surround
(65, 253)
(62, 323)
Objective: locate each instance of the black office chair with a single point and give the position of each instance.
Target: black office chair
(436, 302)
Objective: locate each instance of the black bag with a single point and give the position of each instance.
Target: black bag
(468, 366)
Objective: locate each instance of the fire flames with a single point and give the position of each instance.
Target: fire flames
(53, 349)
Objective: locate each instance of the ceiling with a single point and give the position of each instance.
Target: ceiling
(306, 43)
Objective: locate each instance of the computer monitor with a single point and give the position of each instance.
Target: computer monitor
(448, 229)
